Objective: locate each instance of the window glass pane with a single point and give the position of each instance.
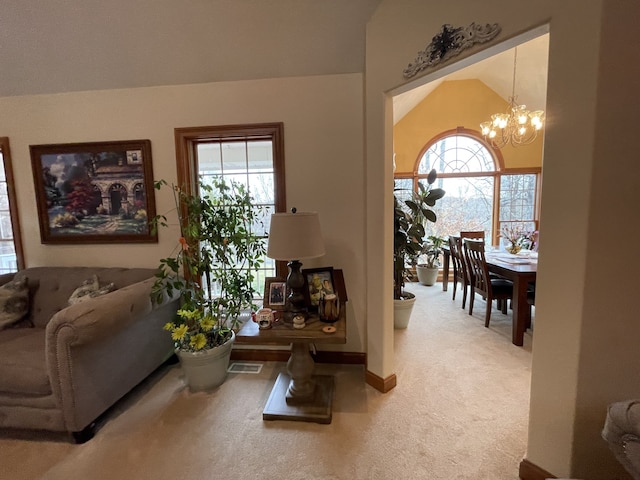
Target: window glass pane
(467, 205)
(209, 158)
(260, 155)
(8, 258)
(234, 157)
(456, 154)
(249, 162)
(517, 197)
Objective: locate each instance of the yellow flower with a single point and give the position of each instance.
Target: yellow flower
(179, 332)
(169, 326)
(198, 341)
(207, 323)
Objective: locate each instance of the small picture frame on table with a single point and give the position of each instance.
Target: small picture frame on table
(317, 282)
(275, 293)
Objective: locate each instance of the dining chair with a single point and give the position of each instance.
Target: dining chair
(477, 234)
(489, 288)
(474, 234)
(459, 269)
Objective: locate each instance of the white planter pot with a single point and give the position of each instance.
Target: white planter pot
(207, 369)
(427, 275)
(402, 310)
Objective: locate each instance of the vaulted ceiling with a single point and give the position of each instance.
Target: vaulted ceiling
(497, 73)
(57, 46)
(74, 45)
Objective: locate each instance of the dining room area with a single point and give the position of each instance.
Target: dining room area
(489, 164)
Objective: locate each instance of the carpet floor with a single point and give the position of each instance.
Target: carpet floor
(459, 411)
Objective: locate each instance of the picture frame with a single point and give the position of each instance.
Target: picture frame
(317, 281)
(97, 192)
(275, 293)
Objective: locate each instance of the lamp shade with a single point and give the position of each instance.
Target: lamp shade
(295, 236)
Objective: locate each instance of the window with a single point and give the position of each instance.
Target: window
(11, 256)
(479, 191)
(249, 154)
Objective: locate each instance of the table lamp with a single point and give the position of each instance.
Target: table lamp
(293, 237)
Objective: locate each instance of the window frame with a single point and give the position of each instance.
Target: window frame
(13, 202)
(186, 140)
(499, 171)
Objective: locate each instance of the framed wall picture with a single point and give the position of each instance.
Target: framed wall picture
(98, 192)
(275, 293)
(317, 282)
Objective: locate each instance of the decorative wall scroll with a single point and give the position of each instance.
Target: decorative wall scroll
(448, 43)
(94, 192)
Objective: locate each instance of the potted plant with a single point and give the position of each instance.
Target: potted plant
(213, 268)
(429, 261)
(408, 239)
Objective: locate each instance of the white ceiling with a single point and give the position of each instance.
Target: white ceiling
(73, 45)
(57, 46)
(497, 73)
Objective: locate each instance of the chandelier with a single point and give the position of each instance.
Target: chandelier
(518, 126)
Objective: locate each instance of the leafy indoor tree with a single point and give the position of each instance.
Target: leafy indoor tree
(409, 219)
(214, 262)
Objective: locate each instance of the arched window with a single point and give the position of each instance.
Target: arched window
(480, 193)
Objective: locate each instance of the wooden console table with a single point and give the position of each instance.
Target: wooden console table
(298, 394)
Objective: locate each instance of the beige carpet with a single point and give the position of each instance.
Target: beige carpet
(459, 412)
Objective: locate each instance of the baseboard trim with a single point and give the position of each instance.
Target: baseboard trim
(256, 355)
(383, 385)
(259, 355)
(530, 471)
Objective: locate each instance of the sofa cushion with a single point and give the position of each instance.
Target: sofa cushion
(14, 302)
(51, 287)
(90, 289)
(23, 369)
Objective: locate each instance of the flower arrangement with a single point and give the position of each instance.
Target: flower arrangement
(212, 264)
(518, 236)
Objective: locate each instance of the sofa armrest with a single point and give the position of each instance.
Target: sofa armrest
(622, 433)
(99, 349)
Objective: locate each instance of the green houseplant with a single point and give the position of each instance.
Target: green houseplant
(212, 267)
(428, 264)
(409, 219)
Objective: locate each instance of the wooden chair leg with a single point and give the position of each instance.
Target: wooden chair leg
(504, 306)
(487, 315)
(472, 295)
(455, 283)
(464, 295)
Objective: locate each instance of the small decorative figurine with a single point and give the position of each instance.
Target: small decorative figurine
(298, 322)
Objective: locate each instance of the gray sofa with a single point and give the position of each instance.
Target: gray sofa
(622, 433)
(62, 366)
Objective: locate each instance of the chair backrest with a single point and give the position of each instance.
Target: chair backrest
(473, 234)
(477, 264)
(455, 247)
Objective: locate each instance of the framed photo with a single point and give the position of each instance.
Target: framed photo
(275, 293)
(98, 192)
(317, 282)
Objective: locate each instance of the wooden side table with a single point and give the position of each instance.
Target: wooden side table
(298, 394)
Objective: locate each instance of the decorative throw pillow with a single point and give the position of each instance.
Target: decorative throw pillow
(90, 289)
(14, 302)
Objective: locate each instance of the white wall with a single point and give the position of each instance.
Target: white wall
(582, 359)
(323, 131)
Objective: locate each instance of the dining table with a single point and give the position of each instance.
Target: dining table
(521, 269)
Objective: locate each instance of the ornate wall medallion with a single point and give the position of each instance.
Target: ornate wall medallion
(448, 43)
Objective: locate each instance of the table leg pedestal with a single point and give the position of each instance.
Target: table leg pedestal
(300, 395)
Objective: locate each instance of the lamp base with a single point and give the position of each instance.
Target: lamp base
(295, 300)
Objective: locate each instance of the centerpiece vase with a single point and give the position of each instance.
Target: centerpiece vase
(513, 248)
(206, 369)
